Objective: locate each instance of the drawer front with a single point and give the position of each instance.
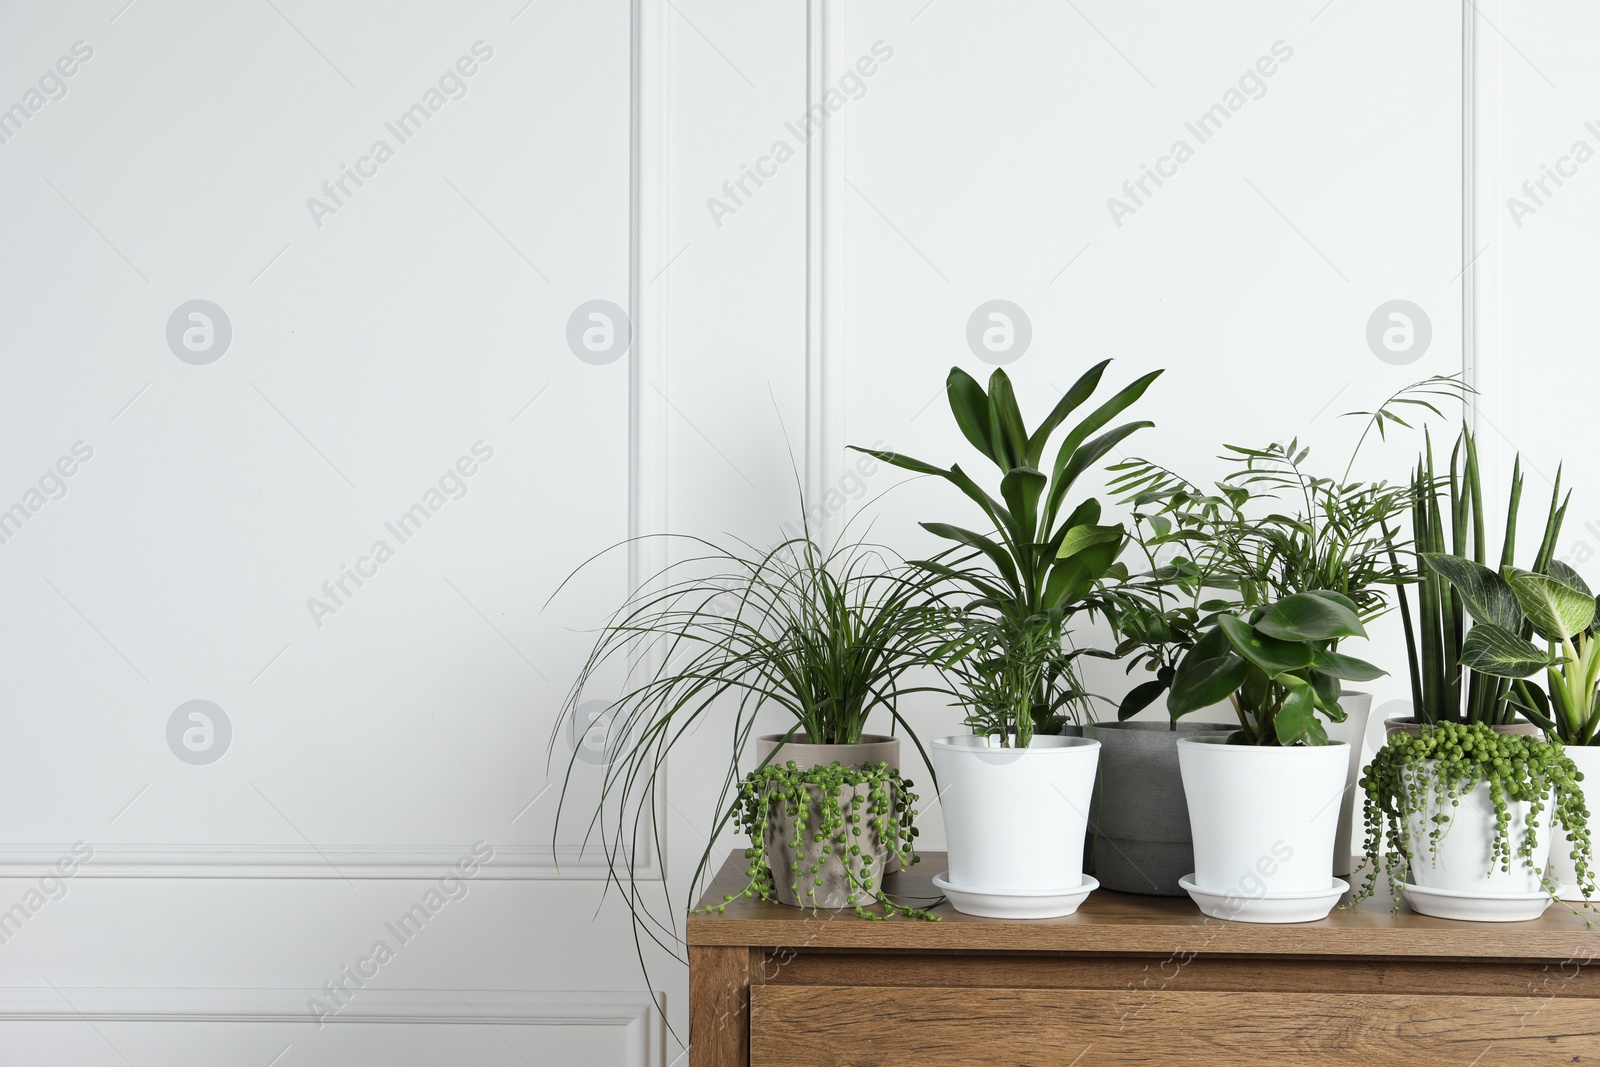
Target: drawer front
(847, 1026)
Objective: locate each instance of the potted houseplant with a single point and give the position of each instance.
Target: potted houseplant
(1032, 566)
(1264, 801)
(823, 638)
(1001, 865)
(1462, 817)
(1220, 551)
(1448, 519)
(1509, 610)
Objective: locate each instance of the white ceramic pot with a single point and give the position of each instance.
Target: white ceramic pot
(1353, 732)
(1464, 859)
(1565, 872)
(1014, 819)
(1263, 818)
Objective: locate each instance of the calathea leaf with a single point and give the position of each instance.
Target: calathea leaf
(1304, 617)
(1496, 651)
(1486, 594)
(1273, 655)
(1557, 610)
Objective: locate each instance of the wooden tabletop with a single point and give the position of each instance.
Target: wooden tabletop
(1123, 923)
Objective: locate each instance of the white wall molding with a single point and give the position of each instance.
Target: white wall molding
(825, 189)
(635, 1013)
(425, 863)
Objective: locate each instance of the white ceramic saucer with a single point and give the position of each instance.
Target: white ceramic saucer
(1476, 907)
(995, 904)
(1273, 908)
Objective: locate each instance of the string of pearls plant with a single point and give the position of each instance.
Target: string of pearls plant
(1451, 760)
(859, 833)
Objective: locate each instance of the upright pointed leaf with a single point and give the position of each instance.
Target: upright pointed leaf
(1005, 420)
(1081, 390)
(970, 406)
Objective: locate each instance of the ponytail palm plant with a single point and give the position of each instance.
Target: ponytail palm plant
(1038, 561)
(824, 639)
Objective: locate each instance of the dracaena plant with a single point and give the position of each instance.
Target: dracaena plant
(1036, 562)
(1511, 608)
(1448, 520)
(1277, 666)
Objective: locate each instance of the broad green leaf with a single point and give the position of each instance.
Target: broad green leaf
(1296, 722)
(1557, 610)
(1079, 538)
(1208, 674)
(1021, 488)
(1491, 650)
(1329, 594)
(1005, 420)
(970, 406)
(1305, 617)
(1486, 594)
(1327, 689)
(1140, 697)
(1345, 667)
(1273, 655)
(1563, 573)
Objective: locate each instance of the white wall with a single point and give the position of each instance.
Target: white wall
(429, 312)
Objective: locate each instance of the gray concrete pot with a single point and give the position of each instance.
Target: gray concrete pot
(1139, 817)
(789, 867)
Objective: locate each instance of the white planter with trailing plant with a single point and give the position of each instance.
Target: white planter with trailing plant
(1264, 802)
(1352, 733)
(1460, 819)
(1029, 863)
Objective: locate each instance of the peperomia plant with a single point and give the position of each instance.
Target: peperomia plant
(1510, 608)
(1040, 561)
(1277, 666)
(1416, 781)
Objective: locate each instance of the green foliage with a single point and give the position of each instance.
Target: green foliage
(1456, 677)
(847, 834)
(1277, 665)
(1510, 609)
(1016, 679)
(823, 637)
(1448, 761)
(1271, 529)
(1038, 563)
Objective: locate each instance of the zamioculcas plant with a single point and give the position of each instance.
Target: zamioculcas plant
(1039, 562)
(1509, 609)
(1277, 666)
(1448, 522)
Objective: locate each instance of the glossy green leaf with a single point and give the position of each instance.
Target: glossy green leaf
(1304, 617)
(1345, 667)
(1486, 594)
(1208, 674)
(1557, 610)
(1273, 655)
(1005, 421)
(1489, 649)
(970, 405)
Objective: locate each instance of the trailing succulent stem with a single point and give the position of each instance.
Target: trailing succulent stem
(849, 833)
(1412, 774)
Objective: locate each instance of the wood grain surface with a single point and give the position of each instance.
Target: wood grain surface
(1122, 923)
(856, 1026)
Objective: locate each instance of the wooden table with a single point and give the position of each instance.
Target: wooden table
(1134, 980)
